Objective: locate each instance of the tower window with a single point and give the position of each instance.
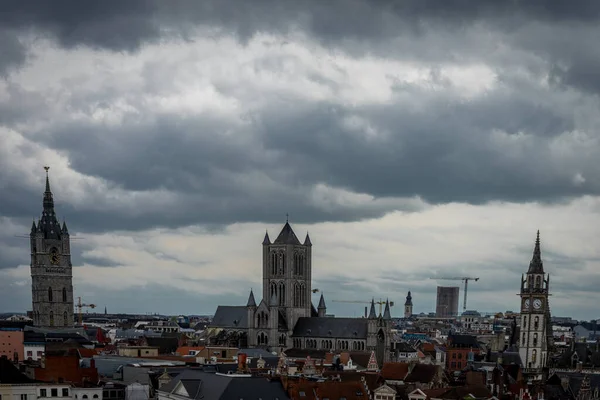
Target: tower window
(536, 322)
(533, 356)
(65, 319)
(51, 318)
(524, 322)
(535, 339)
(49, 294)
(64, 293)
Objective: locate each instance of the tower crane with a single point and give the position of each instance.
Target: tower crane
(465, 279)
(80, 306)
(380, 303)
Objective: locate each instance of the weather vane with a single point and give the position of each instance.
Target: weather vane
(46, 168)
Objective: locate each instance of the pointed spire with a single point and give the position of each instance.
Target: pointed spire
(65, 231)
(287, 236)
(536, 266)
(266, 240)
(251, 301)
(307, 241)
(33, 228)
(372, 313)
(386, 313)
(49, 225)
(322, 302)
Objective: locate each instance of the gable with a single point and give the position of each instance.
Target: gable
(179, 389)
(384, 389)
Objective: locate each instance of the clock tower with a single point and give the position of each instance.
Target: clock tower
(51, 269)
(536, 331)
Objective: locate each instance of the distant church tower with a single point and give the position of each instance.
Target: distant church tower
(408, 306)
(536, 332)
(51, 269)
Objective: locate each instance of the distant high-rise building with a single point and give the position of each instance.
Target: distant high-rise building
(447, 301)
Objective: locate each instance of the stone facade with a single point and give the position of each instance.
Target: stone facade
(51, 268)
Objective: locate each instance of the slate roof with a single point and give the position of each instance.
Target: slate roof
(330, 327)
(536, 266)
(463, 341)
(422, 373)
(287, 236)
(203, 385)
(404, 347)
(10, 374)
(230, 317)
(166, 345)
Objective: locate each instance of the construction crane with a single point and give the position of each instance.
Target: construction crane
(80, 306)
(465, 279)
(380, 303)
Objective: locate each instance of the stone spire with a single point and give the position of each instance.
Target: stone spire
(386, 313)
(251, 301)
(408, 300)
(33, 228)
(287, 236)
(372, 313)
(49, 223)
(322, 308)
(307, 241)
(65, 231)
(536, 266)
(266, 240)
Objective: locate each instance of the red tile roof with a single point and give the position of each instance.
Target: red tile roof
(394, 371)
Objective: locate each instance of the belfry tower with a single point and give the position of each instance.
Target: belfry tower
(536, 332)
(51, 268)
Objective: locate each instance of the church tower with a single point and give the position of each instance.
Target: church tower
(408, 306)
(51, 269)
(287, 274)
(536, 333)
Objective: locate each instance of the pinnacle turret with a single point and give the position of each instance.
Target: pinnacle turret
(33, 228)
(266, 240)
(372, 313)
(307, 241)
(408, 300)
(65, 231)
(251, 301)
(536, 266)
(386, 313)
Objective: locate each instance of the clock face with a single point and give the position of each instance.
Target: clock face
(537, 304)
(526, 304)
(54, 256)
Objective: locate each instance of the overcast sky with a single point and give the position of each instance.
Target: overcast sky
(410, 138)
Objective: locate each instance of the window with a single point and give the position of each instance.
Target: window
(49, 294)
(533, 355)
(65, 319)
(535, 339)
(64, 295)
(40, 353)
(95, 396)
(54, 392)
(43, 393)
(51, 321)
(84, 396)
(65, 392)
(23, 397)
(536, 322)
(29, 353)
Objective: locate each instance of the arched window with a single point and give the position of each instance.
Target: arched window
(535, 339)
(524, 322)
(538, 282)
(281, 270)
(51, 318)
(49, 294)
(533, 355)
(524, 338)
(64, 295)
(273, 263)
(281, 294)
(85, 396)
(536, 322)
(95, 396)
(65, 319)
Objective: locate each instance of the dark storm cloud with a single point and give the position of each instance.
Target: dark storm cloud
(126, 26)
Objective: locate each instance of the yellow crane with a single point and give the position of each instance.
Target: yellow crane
(465, 279)
(380, 303)
(80, 306)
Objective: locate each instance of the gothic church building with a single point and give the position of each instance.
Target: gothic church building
(286, 318)
(51, 268)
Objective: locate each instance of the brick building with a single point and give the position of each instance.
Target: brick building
(460, 351)
(11, 343)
